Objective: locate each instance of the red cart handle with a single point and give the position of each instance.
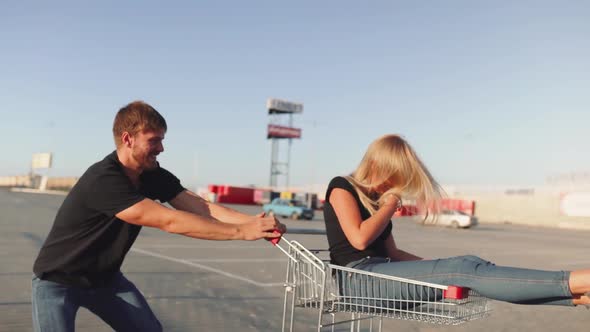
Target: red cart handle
(275, 240)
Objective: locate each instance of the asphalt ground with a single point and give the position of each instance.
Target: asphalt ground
(197, 285)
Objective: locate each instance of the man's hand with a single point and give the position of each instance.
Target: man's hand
(281, 228)
(262, 227)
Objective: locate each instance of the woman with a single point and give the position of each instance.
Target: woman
(358, 212)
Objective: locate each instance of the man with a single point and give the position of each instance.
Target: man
(79, 263)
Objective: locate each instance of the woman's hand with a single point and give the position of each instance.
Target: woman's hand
(392, 200)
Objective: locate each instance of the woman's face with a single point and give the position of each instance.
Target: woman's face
(384, 186)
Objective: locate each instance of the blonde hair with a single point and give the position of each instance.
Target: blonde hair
(135, 117)
(391, 158)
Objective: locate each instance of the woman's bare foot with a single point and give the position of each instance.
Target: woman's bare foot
(583, 300)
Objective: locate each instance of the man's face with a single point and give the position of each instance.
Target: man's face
(147, 144)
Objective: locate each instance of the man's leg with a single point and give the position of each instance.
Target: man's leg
(54, 306)
(122, 306)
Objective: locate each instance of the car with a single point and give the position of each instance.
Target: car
(451, 218)
(290, 208)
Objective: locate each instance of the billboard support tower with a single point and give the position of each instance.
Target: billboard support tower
(41, 161)
(281, 129)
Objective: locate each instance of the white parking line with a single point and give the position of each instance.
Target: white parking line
(207, 268)
(237, 260)
(192, 246)
(38, 191)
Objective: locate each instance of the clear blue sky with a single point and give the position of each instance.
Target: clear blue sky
(488, 93)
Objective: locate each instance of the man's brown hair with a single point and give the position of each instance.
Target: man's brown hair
(135, 117)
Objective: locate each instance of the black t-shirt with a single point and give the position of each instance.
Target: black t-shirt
(341, 251)
(87, 243)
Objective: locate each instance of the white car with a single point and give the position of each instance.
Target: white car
(451, 218)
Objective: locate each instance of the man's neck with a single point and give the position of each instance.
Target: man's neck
(130, 167)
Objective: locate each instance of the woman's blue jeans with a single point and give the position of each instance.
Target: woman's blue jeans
(514, 285)
(119, 304)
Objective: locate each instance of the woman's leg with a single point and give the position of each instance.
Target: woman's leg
(508, 284)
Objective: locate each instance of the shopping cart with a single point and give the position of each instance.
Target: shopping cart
(329, 289)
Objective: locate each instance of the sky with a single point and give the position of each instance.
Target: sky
(487, 92)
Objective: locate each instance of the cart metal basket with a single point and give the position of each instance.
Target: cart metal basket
(330, 289)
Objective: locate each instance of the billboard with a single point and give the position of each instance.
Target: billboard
(283, 106)
(41, 160)
(275, 131)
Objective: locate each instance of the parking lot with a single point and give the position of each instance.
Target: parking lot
(196, 285)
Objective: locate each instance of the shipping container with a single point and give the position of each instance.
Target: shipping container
(286, 195)
(265, 196)
(274, 194)
(233, 195)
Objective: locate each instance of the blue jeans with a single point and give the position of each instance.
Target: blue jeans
(119, 304)
(509, 284)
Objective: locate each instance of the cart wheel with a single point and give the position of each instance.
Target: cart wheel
(295, 216)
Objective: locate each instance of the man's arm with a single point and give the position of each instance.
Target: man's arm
(191, 202)
(151, 214)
